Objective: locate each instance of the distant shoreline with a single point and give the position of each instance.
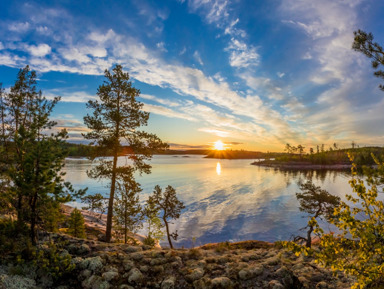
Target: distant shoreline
(301, 166)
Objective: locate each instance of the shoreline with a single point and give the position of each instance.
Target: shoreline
(302, 166)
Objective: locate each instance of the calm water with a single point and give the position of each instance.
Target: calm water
(225, 199)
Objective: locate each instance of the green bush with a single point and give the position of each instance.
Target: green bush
(51, 259)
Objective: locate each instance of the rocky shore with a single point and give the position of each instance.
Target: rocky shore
(98, 265)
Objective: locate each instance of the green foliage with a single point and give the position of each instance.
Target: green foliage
(94, 203)
(117, 116)
(76, 226)
(154, 226)
(13, 238)
(32, 158)
(52, 260)
(128, 212)
(363, 42)
(51, 216)
(169, 206)
(358, 247)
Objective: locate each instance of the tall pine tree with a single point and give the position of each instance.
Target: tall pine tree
(34, 158)
(116, 118)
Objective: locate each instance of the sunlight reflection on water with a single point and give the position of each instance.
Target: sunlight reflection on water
(218, 169)
(239, 202)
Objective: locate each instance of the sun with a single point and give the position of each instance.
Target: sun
(219, 145)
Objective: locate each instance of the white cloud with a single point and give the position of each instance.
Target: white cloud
(19, 27)
(164, 111)
(161, 46)
(163, 101)
(217, 132)
(214, 10)
(242, 56)
(197, 57)
(182, 52)
(40, 50)
(78, 96)
(43, 30)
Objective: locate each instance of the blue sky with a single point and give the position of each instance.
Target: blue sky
(255, 74)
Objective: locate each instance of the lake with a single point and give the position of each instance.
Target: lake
(226, 200)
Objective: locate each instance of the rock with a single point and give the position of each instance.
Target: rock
(76, 260)
(85, 274)
(83, 249)
(144, 268)
(168, 283)
(222, 283)
(272, 261)
(203, 283)
(317, 277)
(158, 269)
(110, 275)
(135, 276)
(322, 285)
(16, 282)
(158, 261)
(137, 256)
(288, 279)
(196, 274)
(246, 274)
(125, 286)
(94, 264)
(128, 264)
(274, 284)
(132, 249)
(95, 282)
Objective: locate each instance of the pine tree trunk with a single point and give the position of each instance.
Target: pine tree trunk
(309, 239)
(168, 235)
(108, 233)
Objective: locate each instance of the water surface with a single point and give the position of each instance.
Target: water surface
(225, 199)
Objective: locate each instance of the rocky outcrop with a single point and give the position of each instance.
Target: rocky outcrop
(241, 265)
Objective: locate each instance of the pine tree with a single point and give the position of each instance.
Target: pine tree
(154, 226)
(94, 203)
(76, 225)
(128, 212)
(33, 159)
(169, 206)
(117, 116)
(317, 203)
(363, 42)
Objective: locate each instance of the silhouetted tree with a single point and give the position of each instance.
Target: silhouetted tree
(94, 203)
(318, 203)
(363, 42)
(169, 206)
(117, 116)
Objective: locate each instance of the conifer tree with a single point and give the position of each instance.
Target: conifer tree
(364, 43)
(317, 203)
(94, 203)
(128, 212)
(33, 159)
(117, 117)
(151, 215)
(169, 206)
(76, 225)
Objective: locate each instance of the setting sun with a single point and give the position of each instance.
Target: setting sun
(219, 145)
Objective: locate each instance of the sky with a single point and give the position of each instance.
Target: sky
(254, 74)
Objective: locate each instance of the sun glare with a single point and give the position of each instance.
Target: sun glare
(219, 145)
